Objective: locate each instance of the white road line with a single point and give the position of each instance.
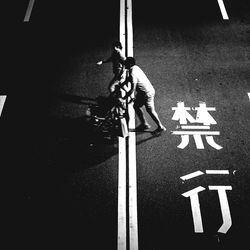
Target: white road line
(133, 221)
(195, 207)
(130, 51)
(2, 101)
(225, 210)
(223, 9)
(122, 163)
(195, 132)
(192, 175)
(29, 10)
(122, 219)
(217, 172)
(126, 38)
(122, 27)
(249, 95)
(133, 218)
(194, 127)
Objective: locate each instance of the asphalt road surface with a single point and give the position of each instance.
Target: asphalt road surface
(60, 178)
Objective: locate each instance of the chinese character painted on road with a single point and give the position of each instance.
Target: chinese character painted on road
(195, 127)
(195, 204)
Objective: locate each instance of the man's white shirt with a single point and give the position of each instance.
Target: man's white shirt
(141, 80)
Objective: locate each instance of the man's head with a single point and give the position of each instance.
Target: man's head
(117, 45)
(129, 62)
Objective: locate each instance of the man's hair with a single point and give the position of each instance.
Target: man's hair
(130, 61)
(117, 44)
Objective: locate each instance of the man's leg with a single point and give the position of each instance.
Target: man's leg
(154, 116)
(140, 115)
(150, 108)
(139, 112)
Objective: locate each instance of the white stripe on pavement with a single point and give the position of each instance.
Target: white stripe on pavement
(122, 163)
(122, 219)
(2, 101)
(249, 95)
(217, 172)
(127, 156)
(133, 220)
(223, 9)
(192, 175)
(195, 132)
(194, 127)
(29, 10)
(122, 27)
(225, 210)
(195, 207)
(133, 224)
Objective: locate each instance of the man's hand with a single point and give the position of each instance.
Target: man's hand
(99, 63)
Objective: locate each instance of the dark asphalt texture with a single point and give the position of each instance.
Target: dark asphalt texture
(58, 191)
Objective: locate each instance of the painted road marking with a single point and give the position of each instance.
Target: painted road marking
(122, 26)
(133, 220)
(223, 9)
(225, 210)
(217, 172)
(122, 160)
(249, 95)
(192, 175)
(195, 132)
(194, 127)
(127, 157)
(2, 101)
(122, 219)
(29, 10)
(195, 207)
(198, 173)
(203, 116)
(196, 211)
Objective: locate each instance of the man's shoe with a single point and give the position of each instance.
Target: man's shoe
(159, 130)
(143, 127)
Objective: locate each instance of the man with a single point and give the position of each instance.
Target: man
(117, 59)
(144, 95)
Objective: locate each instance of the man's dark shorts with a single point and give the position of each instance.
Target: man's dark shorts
(144, 99)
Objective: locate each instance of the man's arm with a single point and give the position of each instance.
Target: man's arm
(122, 56)
(110, 59)
(132, 81)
